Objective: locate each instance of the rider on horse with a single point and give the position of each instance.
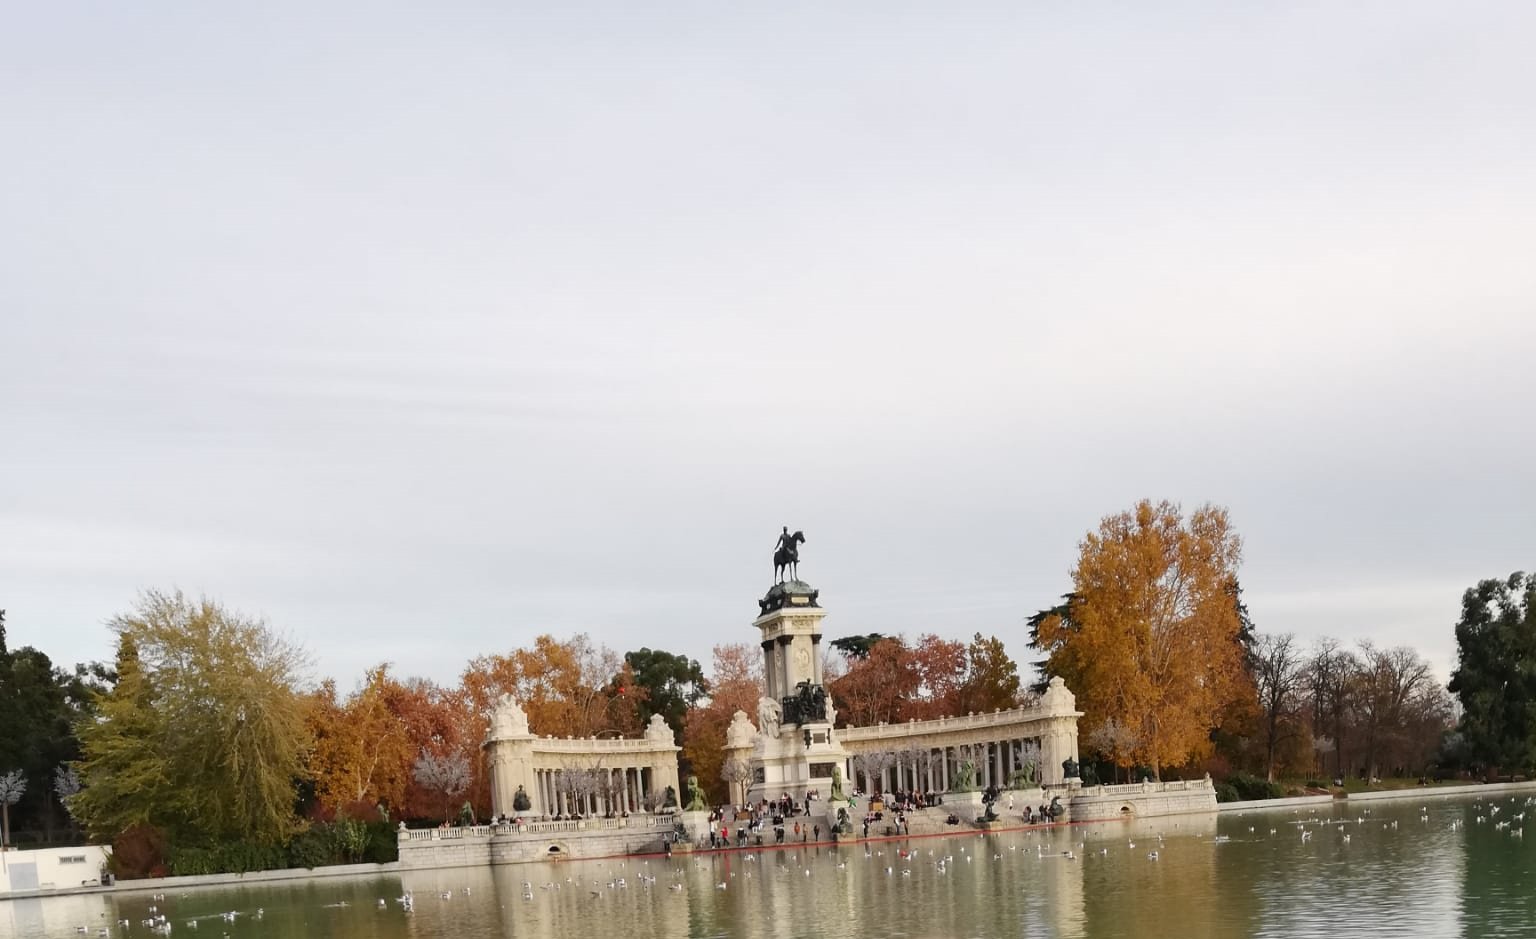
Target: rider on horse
(786, 553)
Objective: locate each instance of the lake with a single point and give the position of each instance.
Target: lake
(1427, 867)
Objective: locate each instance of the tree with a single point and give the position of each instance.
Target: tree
(66, 785)
(1115, 742)
(878, 687)
(1393, 681)
(39, 706)
(567, 688)
(446, 774)
(1152, 639)
(940, 666)
(1279, 674)
(873, 764)
(1330, 679)
(1495, 677)
(672, 684)
(362, 751)
(13, 786)
(204, 733)
(991, 678)
(857, 647)
(736, 683)
(736, 774)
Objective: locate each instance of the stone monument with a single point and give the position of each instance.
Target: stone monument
(795, 751)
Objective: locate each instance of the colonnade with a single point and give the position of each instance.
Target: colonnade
(623, 790)
(935, 769)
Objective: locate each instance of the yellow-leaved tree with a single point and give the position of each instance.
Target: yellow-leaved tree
(1149, 638)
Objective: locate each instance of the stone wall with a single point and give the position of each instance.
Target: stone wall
(1142, 800)
(482, 845)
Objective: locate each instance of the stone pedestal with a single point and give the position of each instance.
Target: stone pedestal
(967, 806)
(696, 824)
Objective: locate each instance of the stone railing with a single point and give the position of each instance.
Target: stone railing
(1142, 788)
(535, 828)
(588, 745)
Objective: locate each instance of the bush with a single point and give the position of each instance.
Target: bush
(1225, 792)
(383, 845)
(1253, 788)
(313, 848)
(138, 852)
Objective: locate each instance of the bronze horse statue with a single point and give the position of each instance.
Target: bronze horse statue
(786, 558)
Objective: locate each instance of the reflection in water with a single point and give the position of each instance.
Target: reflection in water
(1229, 876)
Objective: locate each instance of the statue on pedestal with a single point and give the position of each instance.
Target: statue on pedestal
(836, 794)
(696, 801)
(965, 777)
(520, 801)
(659, 730)
(786, 555)
(741, 733)
(768, 714)
(509, 719)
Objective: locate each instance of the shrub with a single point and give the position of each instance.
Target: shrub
(138, 852)
(312, 848)
(1252, 787)
(188, 862)
(383, 845)
(1226, 793)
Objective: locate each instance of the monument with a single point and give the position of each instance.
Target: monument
(795, 750)
(796, 747)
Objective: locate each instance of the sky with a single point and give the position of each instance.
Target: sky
(422, 330)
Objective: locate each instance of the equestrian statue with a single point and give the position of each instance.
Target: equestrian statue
(786, 555)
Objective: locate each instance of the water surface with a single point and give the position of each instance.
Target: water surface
(1427, 867)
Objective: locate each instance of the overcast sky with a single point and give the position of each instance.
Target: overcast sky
(422, 330)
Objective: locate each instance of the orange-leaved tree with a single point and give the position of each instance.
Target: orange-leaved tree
(879, 686)
(362, 753)
(735, 684)
(1149, 637)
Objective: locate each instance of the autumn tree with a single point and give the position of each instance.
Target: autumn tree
(568, 688)
(878, 687)
(362, 752)
(940, 667)
(204, 734)
(1495, 677)
(736, 684)
(991, 677)
(1152, 639)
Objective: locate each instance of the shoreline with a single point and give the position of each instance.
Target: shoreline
(157, 885)
(162, 884)
(1380, 795)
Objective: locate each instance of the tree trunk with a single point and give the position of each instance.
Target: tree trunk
(5, 824)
